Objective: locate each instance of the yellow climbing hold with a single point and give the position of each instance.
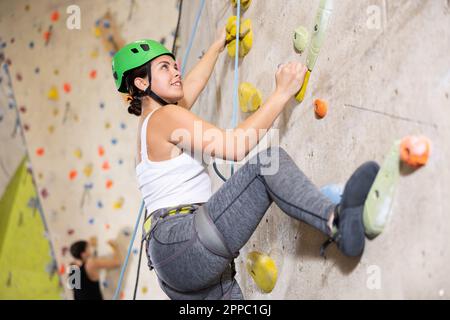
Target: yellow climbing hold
(231, 27)
(250, 98)
(119, 203)
(51, 128)
(53, 94)
(94, 54)
(263, 270)
(88, 170)
(245, 36)
(244, 4)
(77, 153)
(97, 32)
(245, 27)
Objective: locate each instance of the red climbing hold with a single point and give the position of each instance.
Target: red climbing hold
(73, 174)
(67, 88)
(47, 35)
(105, 165)
(55, 16)
(62, 269)
(40, 152)
(44, 193)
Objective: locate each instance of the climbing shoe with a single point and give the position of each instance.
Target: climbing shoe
(348, 231)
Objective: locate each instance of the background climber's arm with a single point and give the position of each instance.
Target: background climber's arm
(195, 81)
(107, 263)
(104, 263)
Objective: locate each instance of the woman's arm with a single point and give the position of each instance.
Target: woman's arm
(191, 133)
(196, 80)
(186, 130)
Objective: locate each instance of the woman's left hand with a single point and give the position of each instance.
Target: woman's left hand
(221, 36)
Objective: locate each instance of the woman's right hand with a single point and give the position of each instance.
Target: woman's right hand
(289, 78)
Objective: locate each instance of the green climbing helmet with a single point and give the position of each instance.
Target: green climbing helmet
(134, 55)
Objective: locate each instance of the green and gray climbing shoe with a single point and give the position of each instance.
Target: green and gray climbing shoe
(349, 233)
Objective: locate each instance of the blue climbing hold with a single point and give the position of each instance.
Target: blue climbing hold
(333, 192)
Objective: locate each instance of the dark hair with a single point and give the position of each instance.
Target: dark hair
(77, 248)
(135, 94)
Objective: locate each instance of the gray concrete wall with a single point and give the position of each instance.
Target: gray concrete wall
(399, 74)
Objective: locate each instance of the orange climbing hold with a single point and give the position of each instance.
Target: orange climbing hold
(320, 108)
(55, 16)
(62, 270)
(47, 35)
(67, 87)
(109, 184)
(40, 151)
(101, 151)
(93, 74)
(73, 174)
(415, 151)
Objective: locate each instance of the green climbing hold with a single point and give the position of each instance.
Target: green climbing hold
(377, 207)
(301, 38)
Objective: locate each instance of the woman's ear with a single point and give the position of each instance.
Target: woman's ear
(140, 83)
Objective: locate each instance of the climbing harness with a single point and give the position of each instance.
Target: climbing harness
(156, 216)
(204, 229)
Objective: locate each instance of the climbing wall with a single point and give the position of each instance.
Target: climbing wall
(27, 266)
(385, 72)
(26, 271)
(80, 137)
(9, 129)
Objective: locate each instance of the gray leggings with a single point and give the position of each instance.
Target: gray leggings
(187, 270)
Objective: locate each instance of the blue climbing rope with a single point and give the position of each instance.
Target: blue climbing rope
(192, 36)
(125, 263)
(236, 73)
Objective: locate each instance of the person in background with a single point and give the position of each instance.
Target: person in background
(85, 254)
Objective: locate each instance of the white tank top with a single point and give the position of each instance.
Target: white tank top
(169, 183)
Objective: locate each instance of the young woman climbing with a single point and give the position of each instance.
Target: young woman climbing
(193, 235)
